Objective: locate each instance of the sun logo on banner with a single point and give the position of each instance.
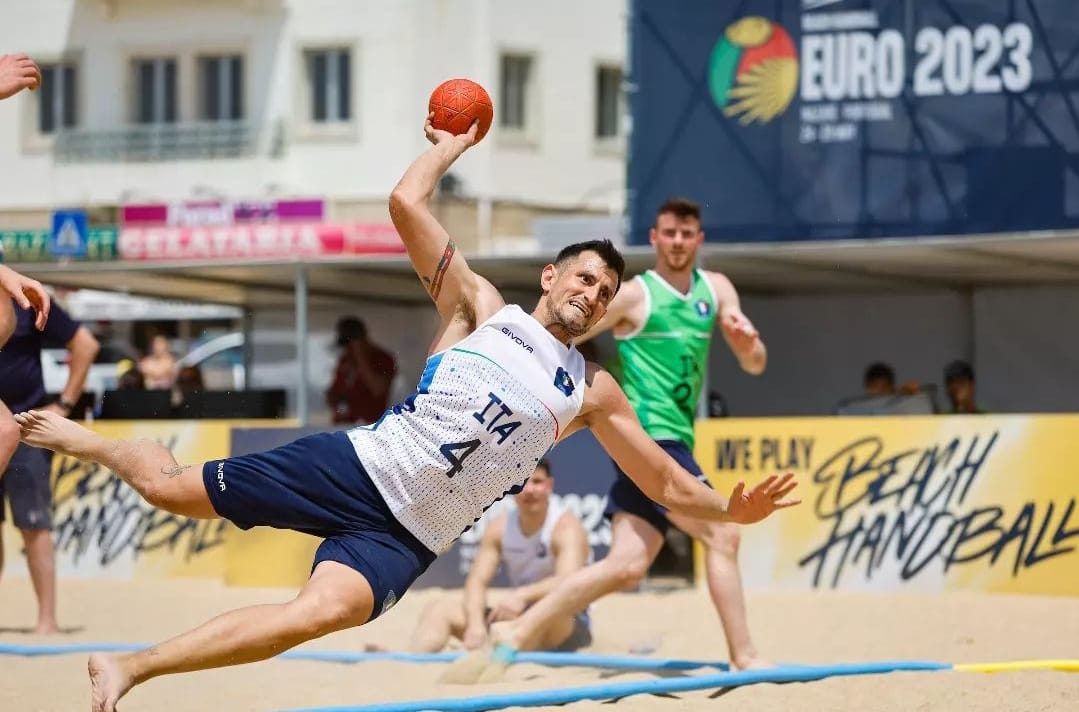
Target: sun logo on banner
(753, 70)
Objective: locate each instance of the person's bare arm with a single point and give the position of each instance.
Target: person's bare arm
(609, 415)
(483, 570)
(742, 337)
(83, 347)
(462, 298)
(624, 313)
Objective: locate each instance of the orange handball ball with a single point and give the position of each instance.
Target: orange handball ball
(456, 103)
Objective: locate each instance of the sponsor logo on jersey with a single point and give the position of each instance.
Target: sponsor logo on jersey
(517, 339)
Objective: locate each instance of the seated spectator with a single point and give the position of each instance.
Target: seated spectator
(158, 367)
(959, 383)
(539, 544)
(879, 380)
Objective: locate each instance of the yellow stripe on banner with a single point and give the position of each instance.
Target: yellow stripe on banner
(1060, 665)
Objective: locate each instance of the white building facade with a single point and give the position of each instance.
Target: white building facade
(147, 101)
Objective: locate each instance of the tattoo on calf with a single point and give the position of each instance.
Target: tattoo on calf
(434, 283)
(171, 471)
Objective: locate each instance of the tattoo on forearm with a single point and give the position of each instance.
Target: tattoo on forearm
(171, 471)
(434, 283)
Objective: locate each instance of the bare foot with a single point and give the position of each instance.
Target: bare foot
(466, 670)
(108, 682)
(52, 431)
(48, 628)
(754, 662)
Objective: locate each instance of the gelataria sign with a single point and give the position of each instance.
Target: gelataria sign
(267, 241)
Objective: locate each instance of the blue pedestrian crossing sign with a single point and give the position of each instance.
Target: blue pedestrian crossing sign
(68, 237)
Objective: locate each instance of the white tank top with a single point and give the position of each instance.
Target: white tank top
(485, 412)
(528, 558)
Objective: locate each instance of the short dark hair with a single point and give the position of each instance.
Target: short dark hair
(879, 370)
(545, 464)
(681, 208)
(604, 248)
(349, 328)
(958, 370)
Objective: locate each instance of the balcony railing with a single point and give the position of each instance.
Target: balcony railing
(208, 140)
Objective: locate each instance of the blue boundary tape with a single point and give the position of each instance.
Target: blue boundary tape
(549, 659)
(788, 673)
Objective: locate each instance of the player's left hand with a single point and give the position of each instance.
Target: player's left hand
(27, 293)
(509, 608)
(739, 330)
(765, 497)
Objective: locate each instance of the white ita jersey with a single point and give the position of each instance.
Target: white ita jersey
(530, 558)
(485, 412)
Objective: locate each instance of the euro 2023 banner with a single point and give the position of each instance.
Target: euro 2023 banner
(829, 119)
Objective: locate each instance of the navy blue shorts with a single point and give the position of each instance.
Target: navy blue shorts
(25, 484)
(316, 485)
(625, 496)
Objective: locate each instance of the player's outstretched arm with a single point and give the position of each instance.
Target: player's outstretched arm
(454, 287)
(615, 425)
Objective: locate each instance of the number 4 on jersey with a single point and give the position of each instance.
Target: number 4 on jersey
(456, 454)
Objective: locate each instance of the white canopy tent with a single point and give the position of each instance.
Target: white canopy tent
(764, 269)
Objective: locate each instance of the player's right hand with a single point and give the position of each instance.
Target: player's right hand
(438, 136)
(765, 497)
(17, 72)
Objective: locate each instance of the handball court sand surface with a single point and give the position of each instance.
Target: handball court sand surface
(817, 628)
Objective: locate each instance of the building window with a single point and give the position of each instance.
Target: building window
(608, 102)
(155, 90)
(515, 85)
(329, 82)
(221, 91)
(56, 98)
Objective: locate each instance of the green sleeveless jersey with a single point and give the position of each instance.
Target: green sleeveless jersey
(663, 363)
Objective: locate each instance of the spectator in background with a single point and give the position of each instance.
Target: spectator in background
(879, 380)
(159, 366)
(361, 384)
(26, 482)
(959, 383)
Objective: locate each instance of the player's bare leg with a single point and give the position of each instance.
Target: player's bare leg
(334, 598)
(439, 621)
(721, 543)
(144, 464)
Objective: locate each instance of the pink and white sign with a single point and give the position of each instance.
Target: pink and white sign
(258, 241)
(196, 213)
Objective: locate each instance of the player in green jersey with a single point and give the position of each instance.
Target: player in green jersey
(663, 322)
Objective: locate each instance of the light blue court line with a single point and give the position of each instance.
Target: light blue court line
(550, 659)
(561, 696)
